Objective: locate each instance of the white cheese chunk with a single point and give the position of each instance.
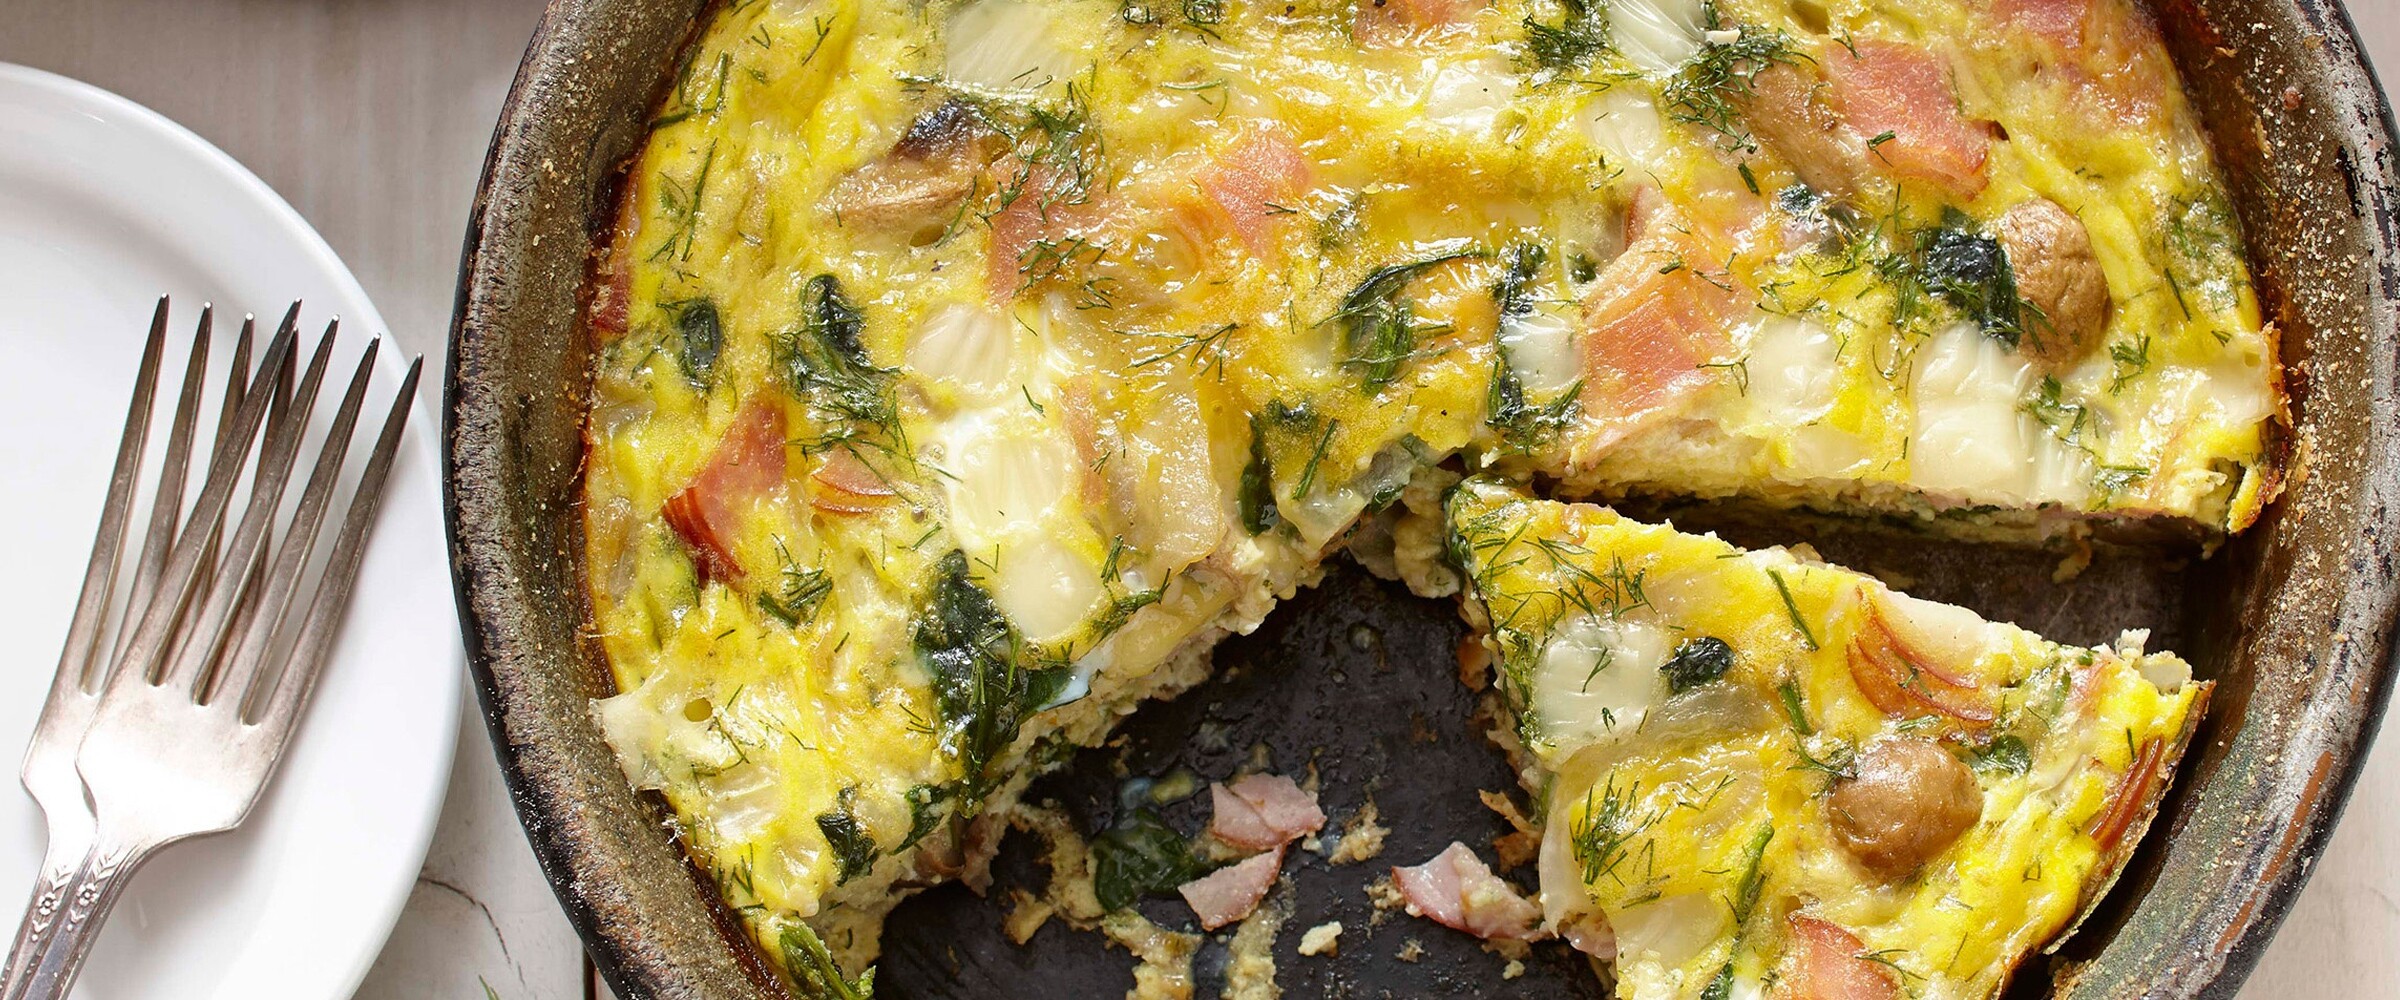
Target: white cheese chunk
(1470, 96)
(1597, 677)
(1006, 47)
(1657, 36)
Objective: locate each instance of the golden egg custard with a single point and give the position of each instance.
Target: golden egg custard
(964, 368)
(1769, 776)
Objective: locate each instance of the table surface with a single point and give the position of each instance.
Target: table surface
(371, 117)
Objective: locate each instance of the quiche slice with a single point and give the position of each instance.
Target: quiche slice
(1765, 775)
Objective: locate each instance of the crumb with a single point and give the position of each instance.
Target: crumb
(1323, 939)
(1026, 915)
(2074, 562)
(1386, 897)
(1362, 836)
(1474, 663)
(1515, 969)
(1521, 845)
(1410, 950)
(1250, 956)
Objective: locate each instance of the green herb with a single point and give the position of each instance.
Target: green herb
(1720, 987)
(1696, 662)
(980, 683)
(1792, 608)
(827, 366)
(813, 969)
(924, 812)
(1523, 425)
(1580, 33)
(1308, 472)
(2128, 359)
(1970, 270)
(1790, 693)
(1746, 889)
(1708, 91)
(682, 205)
(853, 847)
(2005, 754)
(1602, 836)
(1257, 497)
(803, 590)
(699, 339)
(1207, 350)
(1378, 327)
(1138, 856)
(1200, 16)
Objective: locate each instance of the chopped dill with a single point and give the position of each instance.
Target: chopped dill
(1792, 608)
(1568, 45)
(1379, 328)
(1707, 92)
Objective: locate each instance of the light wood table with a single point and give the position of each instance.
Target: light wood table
(371, 117)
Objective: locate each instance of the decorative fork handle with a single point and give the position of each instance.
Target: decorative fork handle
(69, 907)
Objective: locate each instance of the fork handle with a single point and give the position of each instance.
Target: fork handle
(60, 860)
(80, 902)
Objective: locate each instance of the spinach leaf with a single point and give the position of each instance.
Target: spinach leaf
(1379, 329)
(1969, 269)
(1696, 662)
(852, 845)
(1522, 424)
(1138, 856)
(2005, 754)
(827, 366)
(1257, 496)
(980, 682)
(813, 969)
(699, 340)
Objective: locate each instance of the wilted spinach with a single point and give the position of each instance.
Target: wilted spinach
(980, 680)
(1140, 855)
(1379, 328)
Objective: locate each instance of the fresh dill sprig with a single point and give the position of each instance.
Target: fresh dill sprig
(1708, 91)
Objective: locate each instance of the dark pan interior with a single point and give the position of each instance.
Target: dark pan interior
(2293, 620)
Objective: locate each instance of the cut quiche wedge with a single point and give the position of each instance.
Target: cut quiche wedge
(963, 369)
(1765, 775)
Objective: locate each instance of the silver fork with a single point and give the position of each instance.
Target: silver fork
(173, 730)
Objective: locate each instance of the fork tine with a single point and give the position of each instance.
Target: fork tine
(176, 582)
(166, 505)
(323, 623)
(249, 645)
(245, 613)
(218, 592)
(181, 640)
(75, 662)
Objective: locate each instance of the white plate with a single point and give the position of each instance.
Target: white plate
(104, 205)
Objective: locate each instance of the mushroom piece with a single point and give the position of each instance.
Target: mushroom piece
(2059, 277)
(915, 188)
(1905, 800)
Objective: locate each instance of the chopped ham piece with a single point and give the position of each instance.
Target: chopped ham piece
(1384, 24)
(747, 464)
(1825, 962)
(2060, 21)
(1458, 891)
(846, 484)
(1651, 321)
(1230, 893)
(1902, 91)
(1263, 811)
(1253, 183)
(1034, 235)
(2131, 795)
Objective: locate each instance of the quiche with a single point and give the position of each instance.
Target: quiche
(964, 368)
(1762, 769)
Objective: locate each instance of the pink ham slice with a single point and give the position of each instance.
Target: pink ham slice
(1456, 890)
(1900, 91)
(1824, 962)
(1230, 893)
(1386, 24)
(1650, 322)
(1252, 184)
(1263, 811)
(747, 464)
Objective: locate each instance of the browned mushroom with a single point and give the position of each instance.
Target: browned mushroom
(1786, 108)
(1905, 800)
(2059, 277)
(916, 187)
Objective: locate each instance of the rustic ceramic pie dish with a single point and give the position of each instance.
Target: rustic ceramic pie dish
(2293, 620)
